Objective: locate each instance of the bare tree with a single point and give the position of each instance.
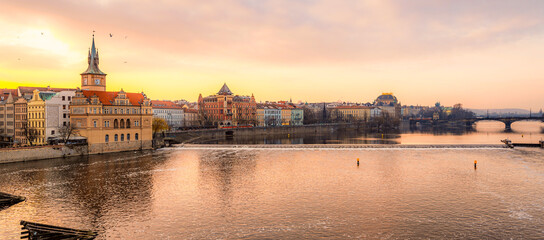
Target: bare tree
(30, 133)
(67, 131)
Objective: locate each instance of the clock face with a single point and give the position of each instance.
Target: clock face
(97, 81)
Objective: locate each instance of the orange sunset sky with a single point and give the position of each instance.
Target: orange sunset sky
(484, 54)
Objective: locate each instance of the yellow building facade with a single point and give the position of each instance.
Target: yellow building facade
(353, 113)
(111, 121)
(36, 119)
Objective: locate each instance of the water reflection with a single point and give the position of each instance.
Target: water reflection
(285, 193)
(223, 171)
(88, 189)
(483, 132)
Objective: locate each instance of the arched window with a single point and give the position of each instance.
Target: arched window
(116, 137)
(115, 123)
(128, 123)
(128, 136)
(107, 138)
(136, 136)
(122, 137)
(122, 125)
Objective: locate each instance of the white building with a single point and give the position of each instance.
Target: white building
(169, 111)
(57, 111)
(375, 112)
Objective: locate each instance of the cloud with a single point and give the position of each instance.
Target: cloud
(299, 32)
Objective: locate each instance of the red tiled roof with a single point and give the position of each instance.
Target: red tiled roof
(6, 92)
(352, 107)
(31, 89)
(164, 104)
(189, 110)
(107, 98)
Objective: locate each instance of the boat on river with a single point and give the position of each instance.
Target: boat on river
(31, 230)
(7, 200)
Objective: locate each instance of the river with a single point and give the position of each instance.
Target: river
(215, 192)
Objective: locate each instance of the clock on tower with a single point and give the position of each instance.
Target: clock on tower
(93, 73)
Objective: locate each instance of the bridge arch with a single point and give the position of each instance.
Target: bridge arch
(508, 121)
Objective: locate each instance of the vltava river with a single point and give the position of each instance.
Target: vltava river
(216, 192)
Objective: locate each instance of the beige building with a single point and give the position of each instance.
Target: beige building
(352, 113)
(111, 121)
(7, 119)
(21, 116)
(191, 118)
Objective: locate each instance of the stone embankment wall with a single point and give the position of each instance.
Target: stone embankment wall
(111, 147)
(41, 152)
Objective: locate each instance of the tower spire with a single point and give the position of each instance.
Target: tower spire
(93, 61)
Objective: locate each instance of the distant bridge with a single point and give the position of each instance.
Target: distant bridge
(470, 121)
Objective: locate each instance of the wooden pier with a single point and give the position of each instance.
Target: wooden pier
(40, 231)
(7, 200)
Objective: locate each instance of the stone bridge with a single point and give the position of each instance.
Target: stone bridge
(470, 121)
(506, 120)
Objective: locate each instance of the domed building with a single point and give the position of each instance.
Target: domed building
(389, 104)
(386, 99)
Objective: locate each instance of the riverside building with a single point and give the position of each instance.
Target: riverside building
(169, 111)
(111, 121)
(226, 109)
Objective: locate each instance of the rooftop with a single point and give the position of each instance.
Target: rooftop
(108, 98)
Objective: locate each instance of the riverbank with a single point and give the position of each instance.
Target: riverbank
(337, 146)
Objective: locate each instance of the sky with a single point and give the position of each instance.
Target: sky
(483, 54)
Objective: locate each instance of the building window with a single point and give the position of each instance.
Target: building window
(63, 123)
(116, 137)
(94, 123)
(69, 98)
(115, 123)
(122, 125)
(122, 137)
(63, 106)
(63, 98)
(136, 136)
(128, 136)
(107, 139)
(128, 123)
(52, 132)
(64, 115)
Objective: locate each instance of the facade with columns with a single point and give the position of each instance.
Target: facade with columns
(111, 121)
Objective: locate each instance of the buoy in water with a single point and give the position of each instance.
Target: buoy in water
(357, 161)
(475, 163)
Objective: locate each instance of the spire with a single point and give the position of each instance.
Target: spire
(224, 90)
(93, 61)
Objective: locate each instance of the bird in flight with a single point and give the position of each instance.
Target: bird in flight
(111, 35)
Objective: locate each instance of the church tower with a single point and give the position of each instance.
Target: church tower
(93, 79)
